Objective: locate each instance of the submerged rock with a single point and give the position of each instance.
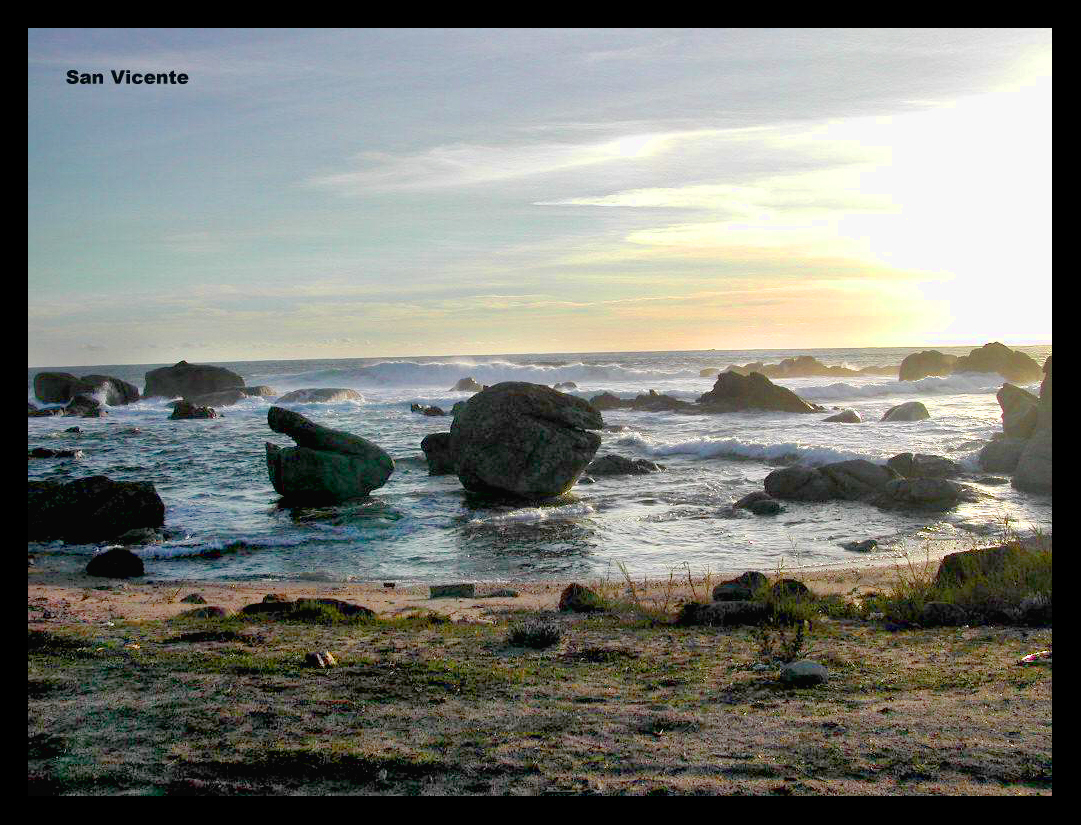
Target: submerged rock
(617, 465)
(845, 417)
(523, 440)
(733, 393)
(186, 380)
(90, 509)
(909, 411)
(326, 465)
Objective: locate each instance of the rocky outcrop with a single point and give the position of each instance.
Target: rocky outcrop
(1020, 411)
(57, 387)
(617, 465)
(322, 395)
(734, 393)
(860, 480)
(466, 385)
(922, 364)
(90, 509)
(113, 391)
(523, 440)
(845, 417)
(64, 388)
(186, 380)
(921, 465)
(1012, 365)
(185, 410)
(909, 411)
(652, 401)
(326, 465)
(436, 447)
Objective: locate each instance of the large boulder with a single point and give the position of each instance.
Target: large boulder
(1001, 455)
(324, 395)
(523, 440)
(921, 494)
(436, 447)
(1012, 365)
(1033, 472)
(1020, 411)
(326, 465)
(57, 387)
(186, 380)
(117, 563)
(857, 479)
(113, 391)
(90, 509)
(734, 392)
(921, 364)
(909, 411)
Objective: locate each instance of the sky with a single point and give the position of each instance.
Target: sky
(361, 193)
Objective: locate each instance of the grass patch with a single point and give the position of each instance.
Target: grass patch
(537, 634)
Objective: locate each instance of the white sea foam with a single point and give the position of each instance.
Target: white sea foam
(532, 515)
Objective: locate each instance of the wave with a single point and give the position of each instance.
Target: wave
(709, 447)
(532, 515)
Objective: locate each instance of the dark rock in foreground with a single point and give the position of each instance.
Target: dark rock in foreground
(860, 480)
(733, 393)
(186, 380)
(523, 440)
(577, 598)
(723, 614)
(117, 563)
(90, 509)
(741, 589)
(326, 465)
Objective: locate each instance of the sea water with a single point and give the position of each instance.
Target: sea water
(226, 523)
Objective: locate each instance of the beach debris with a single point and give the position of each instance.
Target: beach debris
(1041, 657)
(804, 673)
(453, 591)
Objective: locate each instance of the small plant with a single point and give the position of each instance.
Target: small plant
(535, 633)
(779, 643)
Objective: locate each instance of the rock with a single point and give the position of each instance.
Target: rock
(929, 362)
(654, 401)
(743, 588)
(857, 479)
(854, 480)
(942, 614)
(1033, 471)
(1001, 455)
(617, 465)
(325, 395)
(565, 385)
(523, 440)
(921, 465)
(957, 568)
(1020, 411)
(845, 417)
(45, 452)
(865, 546)
(259, 391)
(458, 407)
(579, 599)
(326, 465)
(140, 536)
(436, 447)
(186, 380)
(210, 612)
(73, 430)
(117, 563)
(723, 614)
(607, 401)
(791, 589)
(434, 411)
(759, 503)
(799, 484)
(709, 372)
(115, 392)
(90, 509)
(185, 410)
(909, 411)
(804, 673)
(922, 494)
(34, 412)
(734, 393)
(466, 385)
(222, 398)
(1012, 365)
(57, 387)
(453, 591)
(194, 598)
(88, 406)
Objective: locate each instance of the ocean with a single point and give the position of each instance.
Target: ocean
(226, 523)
